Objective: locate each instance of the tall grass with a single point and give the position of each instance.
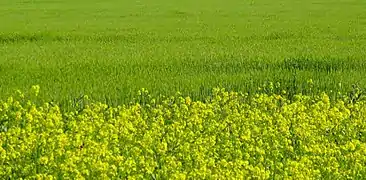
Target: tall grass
(112, 49)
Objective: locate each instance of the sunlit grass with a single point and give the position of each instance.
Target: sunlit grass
(111, 49)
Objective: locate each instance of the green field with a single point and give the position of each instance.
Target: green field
(190, 89)
(111, 49)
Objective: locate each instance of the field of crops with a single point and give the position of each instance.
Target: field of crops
(111, 49)
(229, 136)
(293, 70)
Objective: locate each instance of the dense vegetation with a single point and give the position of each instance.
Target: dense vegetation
(111, 49)
(293, 108)
(229, 135)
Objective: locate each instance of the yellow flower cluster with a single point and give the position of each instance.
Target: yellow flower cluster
(229, 136)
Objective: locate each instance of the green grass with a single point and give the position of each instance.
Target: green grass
(111, 49)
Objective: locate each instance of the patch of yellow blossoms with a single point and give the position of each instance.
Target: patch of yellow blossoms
(229, 136)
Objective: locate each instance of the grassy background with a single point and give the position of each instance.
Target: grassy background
(110, 49)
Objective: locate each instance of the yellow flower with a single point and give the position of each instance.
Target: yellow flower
(35, 90)
(178, 138)
(43, 160)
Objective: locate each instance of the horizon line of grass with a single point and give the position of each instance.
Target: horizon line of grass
(133, 35)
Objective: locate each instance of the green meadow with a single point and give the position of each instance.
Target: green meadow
(182, 89)
(111, 49)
